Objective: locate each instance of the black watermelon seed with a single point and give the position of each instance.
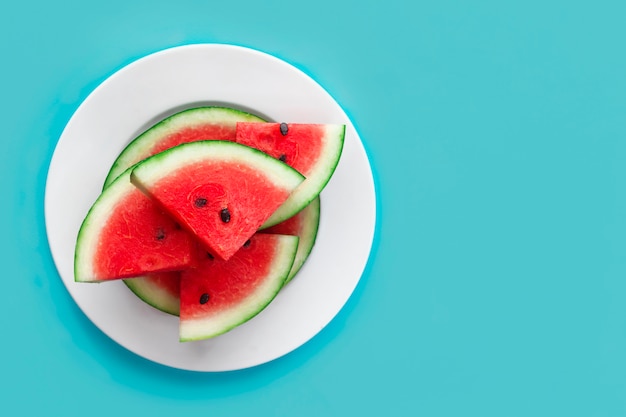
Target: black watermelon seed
(160, 234)
(177, 226)
(208, 255)
(284, 129)
(204, 298)
(225, 215)
(247, 243)
(283, 157)
(200, 202)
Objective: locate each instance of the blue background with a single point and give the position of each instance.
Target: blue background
(497, 281)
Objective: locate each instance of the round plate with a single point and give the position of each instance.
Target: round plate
(157, 86)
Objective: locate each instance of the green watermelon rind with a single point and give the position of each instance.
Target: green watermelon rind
(199, 329)
(88, 234)
(317, 178)
(153, 295)
(139, 147)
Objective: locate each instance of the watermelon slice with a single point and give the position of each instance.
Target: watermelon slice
(200, 123)
(222, 192)
(312, 149)
(125, 234)
(219, 191)
(218, 295)
(162, 291)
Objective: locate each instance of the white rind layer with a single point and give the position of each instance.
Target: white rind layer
(207, 327)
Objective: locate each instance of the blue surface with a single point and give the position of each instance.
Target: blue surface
(497, 134)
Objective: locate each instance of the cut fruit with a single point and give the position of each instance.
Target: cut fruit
(200, 123)
(304, 225)
(203, 183)
(125, 235)
(187, 126)
(313, 150)
(218, 295)
(222, 192)
(162, 291)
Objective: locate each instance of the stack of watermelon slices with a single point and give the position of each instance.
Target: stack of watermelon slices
(209, 213)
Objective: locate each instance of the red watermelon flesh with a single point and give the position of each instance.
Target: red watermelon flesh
(162, 290)
(218, 295)
(127, 235)
(313, 150)
(193, 134)
(181, 194)
(300, 147)
(220, 191)
(140, 238)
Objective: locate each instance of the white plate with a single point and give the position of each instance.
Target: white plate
(154, 87)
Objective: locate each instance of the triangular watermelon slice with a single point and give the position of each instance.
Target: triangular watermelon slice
(190, 125)
(222, 192)
(162, 291)
(125, 234)
(313, 150)
(218, 295)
